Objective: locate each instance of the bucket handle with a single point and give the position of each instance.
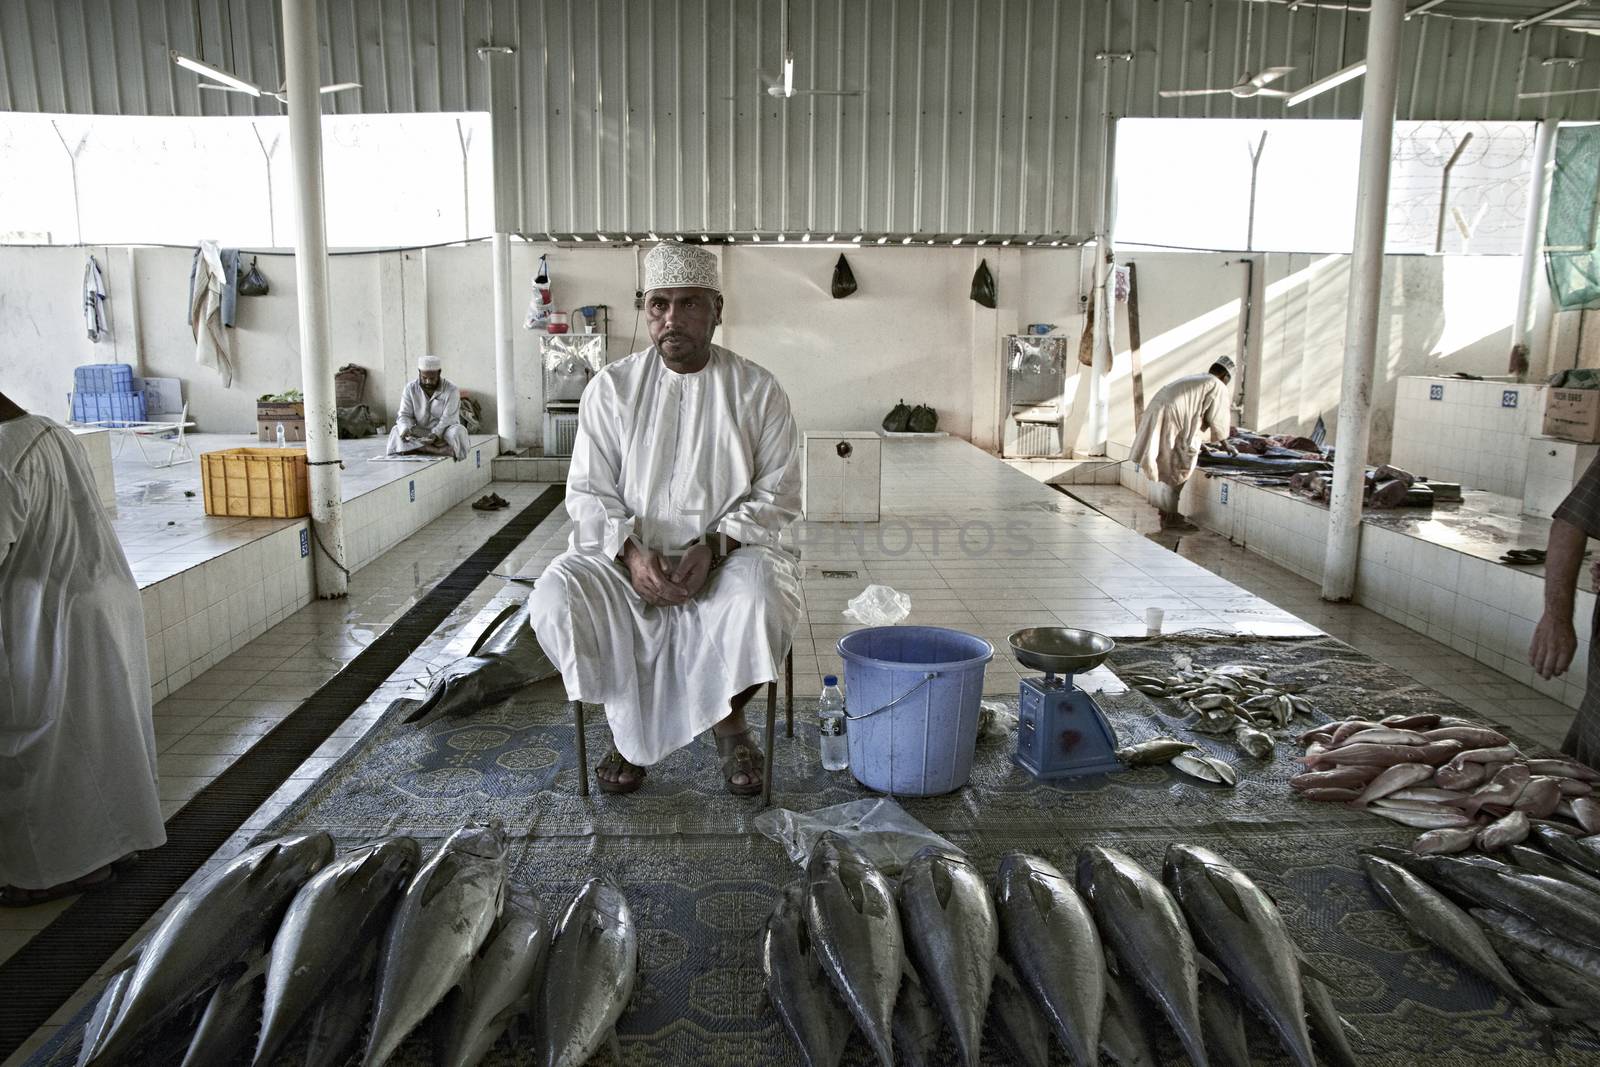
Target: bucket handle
(926, 678)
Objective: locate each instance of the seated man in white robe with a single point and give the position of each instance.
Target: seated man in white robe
(429, 422)
(77, 745)
(673, 603)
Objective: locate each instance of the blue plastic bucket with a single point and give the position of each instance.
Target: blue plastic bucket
(911, 695)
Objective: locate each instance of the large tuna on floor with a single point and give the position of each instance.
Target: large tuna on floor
(1238, 927)
(227, 1028)
(1052, 943)
(441, 921)
(952, 933)
(333, 917)
(333, 1026)
(209, 931)
(594, 960)
(500, 985)
(815, 1017)
(1143, 925)
(1016, 1018)
(851, 913)
(505, 658)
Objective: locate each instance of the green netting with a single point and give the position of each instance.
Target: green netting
(1572, 228)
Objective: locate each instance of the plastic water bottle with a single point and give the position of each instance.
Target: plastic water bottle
(280, 435)
(830, 723)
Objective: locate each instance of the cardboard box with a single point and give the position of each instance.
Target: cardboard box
(293, 430)
(1572, 414)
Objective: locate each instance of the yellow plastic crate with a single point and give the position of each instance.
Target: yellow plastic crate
(257, 483)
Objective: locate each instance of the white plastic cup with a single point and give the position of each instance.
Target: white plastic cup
(1152, 619)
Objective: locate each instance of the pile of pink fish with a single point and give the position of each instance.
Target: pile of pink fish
(1463, 783)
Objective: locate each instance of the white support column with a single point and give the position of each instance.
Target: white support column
(302, 86)
(1105, 318)
(504, 150)
(1366, 298)
(505, 377)
(1522, 326)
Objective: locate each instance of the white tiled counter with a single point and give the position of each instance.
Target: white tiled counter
(96, 445)
(1475, 433)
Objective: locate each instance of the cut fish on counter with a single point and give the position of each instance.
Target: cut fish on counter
(207, 932)
(814, 1016)
(499, 987)
(851, 913)
(588, 982)
(441, 921)
(1142, 925)
(1054, 947)
(951, 933)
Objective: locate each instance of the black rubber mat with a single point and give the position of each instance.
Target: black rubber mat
(46, 971)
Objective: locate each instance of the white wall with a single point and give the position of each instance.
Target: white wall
(910, 331)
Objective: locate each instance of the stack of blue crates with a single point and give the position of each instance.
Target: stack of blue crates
(104, 393)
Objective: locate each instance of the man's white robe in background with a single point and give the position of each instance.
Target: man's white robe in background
(665, 458)
(421, 414)
(77, 747)
(1167, 444)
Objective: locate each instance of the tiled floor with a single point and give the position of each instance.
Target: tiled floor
(975, 544)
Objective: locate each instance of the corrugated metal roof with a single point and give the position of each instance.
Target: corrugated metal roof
(980, 116)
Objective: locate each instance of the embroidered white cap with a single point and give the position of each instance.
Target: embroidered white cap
(1226, 363)
(430, 363)
(671, 265)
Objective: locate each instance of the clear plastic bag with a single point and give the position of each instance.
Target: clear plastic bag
(876, 827)
(996, 722)
(878, 605)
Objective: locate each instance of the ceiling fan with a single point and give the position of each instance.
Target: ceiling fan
(224, 82)
(783, 90)
(1247, 86)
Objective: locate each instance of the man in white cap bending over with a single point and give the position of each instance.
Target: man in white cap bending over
(1167, 444)
(429, 422)
(673, 603)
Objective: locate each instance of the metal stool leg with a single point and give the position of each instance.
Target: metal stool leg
(772, 729)
(583, 748)
(788, 693)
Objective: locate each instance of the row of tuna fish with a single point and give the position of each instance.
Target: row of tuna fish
(287, 945)
(1083, 959)
(1463, 783)
(1530, 927)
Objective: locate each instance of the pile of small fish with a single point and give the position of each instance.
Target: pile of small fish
(1089, 961)
(1531, 927)
(1464, 783)
(1232, 700)
(286, 944)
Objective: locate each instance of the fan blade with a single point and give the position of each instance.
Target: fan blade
(1270, 75)
(1272, 92)
(1192, 92)
(224, 88)
(830, 92)
(339, 87)
(1558, 92)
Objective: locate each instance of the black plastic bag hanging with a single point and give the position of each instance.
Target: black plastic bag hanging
(923, 419)
(983, 285)
(252, 282)
(844, 279)
(899, 418)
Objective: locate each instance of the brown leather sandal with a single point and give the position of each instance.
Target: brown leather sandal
(617, 766)
(740, 755)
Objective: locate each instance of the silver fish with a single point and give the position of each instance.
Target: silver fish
(442, 919)
(1393, 780)
(916, 1023)
(1142, 924)
(1156, 750)
(1437, 920)
(1538, 862)
(1385, 736)
(816, 1019)
(851, 913)
(1579, 958)
(1330, 1028)
(1564, 768)
(207, 932)
(1581, 852)
(1447, 840)
(1257, 743)
(499, 986)
(1428, 793)
(1586, 812)
(1508, 830)
(334, 1024)
(505, 658)
(1437, 817)
(1206, 768)
(227, 1027)
(1222, 1022)
(1557, 980)
(594, 961)
(1052, 942)
(1017, 1018)
(106, 1008)
(1123, 1038)
(345, 905)
(1237, 925)
(952, 933)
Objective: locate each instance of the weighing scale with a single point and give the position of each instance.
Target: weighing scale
(1061, 731)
